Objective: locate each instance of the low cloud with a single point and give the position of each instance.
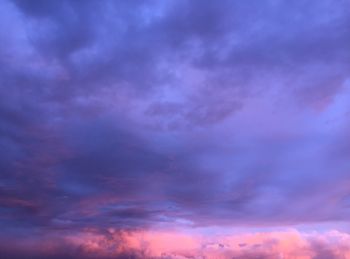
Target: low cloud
(176, 244)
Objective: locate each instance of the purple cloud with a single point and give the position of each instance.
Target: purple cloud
(144, 114)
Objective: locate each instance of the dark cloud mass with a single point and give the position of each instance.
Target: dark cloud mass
(120, 117)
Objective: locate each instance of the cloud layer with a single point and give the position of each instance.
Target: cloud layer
(145, 114)
(171, 244)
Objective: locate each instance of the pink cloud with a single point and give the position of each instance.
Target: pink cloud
(177, 244)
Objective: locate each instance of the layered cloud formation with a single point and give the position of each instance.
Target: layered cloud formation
(169, 244)
(142, 115)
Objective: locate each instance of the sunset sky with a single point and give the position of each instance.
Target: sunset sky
(175, 129)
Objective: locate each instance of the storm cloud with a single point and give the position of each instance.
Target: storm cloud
(136, 115)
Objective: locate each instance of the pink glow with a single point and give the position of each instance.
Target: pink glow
(178, 244)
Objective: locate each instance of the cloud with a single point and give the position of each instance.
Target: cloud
(172, 244)
(137, 114)
(241, 47)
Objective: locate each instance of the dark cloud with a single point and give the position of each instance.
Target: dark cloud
(131, 114)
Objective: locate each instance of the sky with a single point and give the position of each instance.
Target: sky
(174, 129)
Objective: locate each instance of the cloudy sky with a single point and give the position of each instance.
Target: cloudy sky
(174, 129)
